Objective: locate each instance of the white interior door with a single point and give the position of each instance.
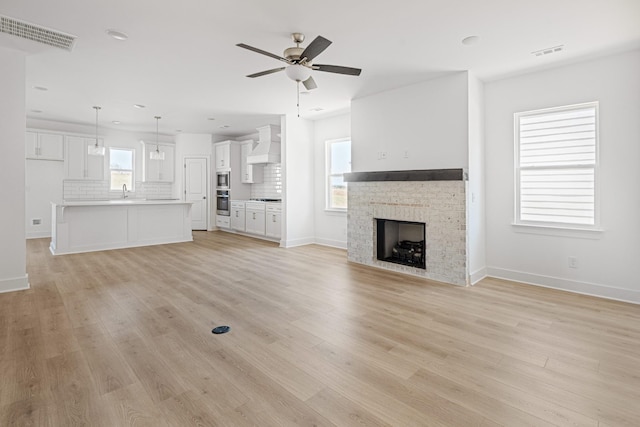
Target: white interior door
(195, 171)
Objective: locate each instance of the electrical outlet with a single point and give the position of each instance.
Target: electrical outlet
(405, 154)
(382, 155)
(573, 262)
(36, 221)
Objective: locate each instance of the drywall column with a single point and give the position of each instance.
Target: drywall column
(13, 264)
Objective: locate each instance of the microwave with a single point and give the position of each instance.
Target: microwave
(223, 180)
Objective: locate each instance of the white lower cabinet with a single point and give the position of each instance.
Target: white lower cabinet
(237, 216)
(223, 221)
(254, 218)
(273, 225)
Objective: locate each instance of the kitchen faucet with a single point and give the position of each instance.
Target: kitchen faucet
(124, 191)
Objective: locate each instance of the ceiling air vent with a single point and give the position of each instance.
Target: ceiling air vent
(36, 33)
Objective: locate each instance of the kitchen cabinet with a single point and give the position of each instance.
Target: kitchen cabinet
(44, 146)
(255, 218)
(273, 225)
(78, 164)
(223, 155)
(158, 170)
(249, 174)
(222, 221)
(237, 216)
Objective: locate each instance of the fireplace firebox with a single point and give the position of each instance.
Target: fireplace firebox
(401, 242)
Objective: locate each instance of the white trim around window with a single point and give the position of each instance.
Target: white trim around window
(335, 187)
(556, 167)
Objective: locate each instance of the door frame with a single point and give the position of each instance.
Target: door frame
(208, 183)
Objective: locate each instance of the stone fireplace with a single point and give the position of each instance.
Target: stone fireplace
(435, 198)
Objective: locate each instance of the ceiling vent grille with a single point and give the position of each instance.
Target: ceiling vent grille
(36, 33)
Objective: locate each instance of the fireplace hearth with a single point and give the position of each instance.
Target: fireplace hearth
(401, 242)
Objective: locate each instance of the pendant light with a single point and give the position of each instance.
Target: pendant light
(96, 150)
(157, 154)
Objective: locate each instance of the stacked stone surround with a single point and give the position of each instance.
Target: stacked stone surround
(440, 205)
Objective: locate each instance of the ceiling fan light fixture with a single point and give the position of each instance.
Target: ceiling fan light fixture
(297, 72)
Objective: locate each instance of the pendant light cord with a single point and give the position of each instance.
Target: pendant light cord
(97, 108)
(157, 132)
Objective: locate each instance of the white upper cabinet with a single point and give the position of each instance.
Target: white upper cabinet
(78, 164)
(158, 170)
(44, 146)
(223, 155)
(249, 174)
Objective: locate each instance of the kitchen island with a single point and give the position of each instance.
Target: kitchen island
(96, 225)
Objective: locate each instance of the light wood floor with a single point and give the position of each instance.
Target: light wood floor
(123, 338)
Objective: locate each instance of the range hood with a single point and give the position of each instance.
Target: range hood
(268, 148)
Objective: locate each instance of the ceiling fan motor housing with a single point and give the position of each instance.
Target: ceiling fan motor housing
(293, 53)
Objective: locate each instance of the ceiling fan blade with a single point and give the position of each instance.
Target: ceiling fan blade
(264, 73)
(310, 84)
(263, 52)
(337, 69)
(315, 48)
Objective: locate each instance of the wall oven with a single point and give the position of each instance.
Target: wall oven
(222, 203)
(223, 180)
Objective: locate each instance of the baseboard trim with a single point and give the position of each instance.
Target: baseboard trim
(297, 242)
(38, 235)
(332, 243)
(584, 288)
(14, 284)
(477, 276)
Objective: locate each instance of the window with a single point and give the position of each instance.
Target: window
(338, 163)
(556, 159)
(121, 168)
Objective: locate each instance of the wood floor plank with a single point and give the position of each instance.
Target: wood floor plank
(123, 338)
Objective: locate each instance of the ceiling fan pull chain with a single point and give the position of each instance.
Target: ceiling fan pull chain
(298, 99)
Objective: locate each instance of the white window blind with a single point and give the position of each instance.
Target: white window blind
(556, 165)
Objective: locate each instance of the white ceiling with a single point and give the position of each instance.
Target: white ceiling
(182, 63)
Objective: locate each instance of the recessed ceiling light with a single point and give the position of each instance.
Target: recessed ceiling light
(139, 106)
(468, 41)
(178, 130)
(42, 88)
(316, 109)
(224, 126)
(36, 111)
(118, 35)
(116, 122)
(306, 92)
(211, 118)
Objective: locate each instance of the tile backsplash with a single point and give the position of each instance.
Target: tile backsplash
(99, 190)
(271, 186)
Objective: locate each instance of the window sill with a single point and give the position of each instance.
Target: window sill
(557, 231)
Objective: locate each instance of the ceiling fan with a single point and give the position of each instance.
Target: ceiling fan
(299, 61)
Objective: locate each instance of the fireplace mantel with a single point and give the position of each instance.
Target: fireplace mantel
(408, 175)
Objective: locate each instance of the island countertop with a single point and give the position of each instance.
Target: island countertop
(120, 202)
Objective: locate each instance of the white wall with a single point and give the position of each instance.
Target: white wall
(13, 269)
(428, 121)
(476, 235)
(298, 178)
(43, 184)
(330, 227)
(607, 260)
